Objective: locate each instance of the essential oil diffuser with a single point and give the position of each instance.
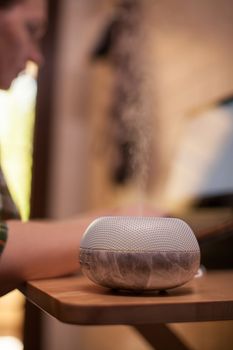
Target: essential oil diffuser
(139, 253)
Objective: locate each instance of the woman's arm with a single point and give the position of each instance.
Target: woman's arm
(37, 250)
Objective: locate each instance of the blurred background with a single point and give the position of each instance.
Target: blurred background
(134, 103)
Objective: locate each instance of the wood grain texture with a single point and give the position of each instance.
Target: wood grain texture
(76, 300)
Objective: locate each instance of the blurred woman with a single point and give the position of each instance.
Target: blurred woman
(35, 249)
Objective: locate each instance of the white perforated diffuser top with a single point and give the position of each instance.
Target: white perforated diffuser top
(144, 234)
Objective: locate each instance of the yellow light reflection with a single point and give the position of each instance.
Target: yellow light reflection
(17, 114)
(10, 343)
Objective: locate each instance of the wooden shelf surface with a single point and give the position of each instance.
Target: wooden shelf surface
(76, 300)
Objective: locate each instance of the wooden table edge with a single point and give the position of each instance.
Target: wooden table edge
(121, 314)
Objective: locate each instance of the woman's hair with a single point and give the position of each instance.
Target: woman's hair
(8, 3)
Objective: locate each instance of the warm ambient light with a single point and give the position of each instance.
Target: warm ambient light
(10, 343)
(17, 115)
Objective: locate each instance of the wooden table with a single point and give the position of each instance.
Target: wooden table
(76, 300)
